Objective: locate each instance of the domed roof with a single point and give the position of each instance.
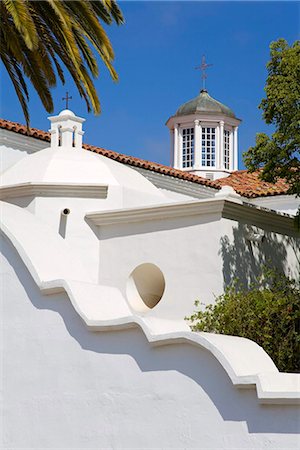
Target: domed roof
(62, 166)
(66, 112)
(204, 103)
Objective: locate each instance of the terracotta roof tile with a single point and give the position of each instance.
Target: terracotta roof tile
(149, 165)
(244, 183)
(120, 157)
(22, 129)
(249, 184)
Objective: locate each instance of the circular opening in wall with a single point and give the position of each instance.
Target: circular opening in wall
(145, 287)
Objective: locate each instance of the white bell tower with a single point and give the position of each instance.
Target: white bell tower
(66, 130)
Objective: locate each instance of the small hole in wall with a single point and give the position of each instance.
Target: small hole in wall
(63, 222)
(145, 287)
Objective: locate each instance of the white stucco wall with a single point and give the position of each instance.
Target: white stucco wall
(66, 387)
(243, 260)
(198, 255)
(185, 250)
(14, 146)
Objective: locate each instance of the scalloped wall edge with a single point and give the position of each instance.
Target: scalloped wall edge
(271, 385)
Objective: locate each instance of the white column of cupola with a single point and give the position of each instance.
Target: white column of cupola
(235, 149)
(197, 144)
(172, 148)
(220, 159)
(231, 160)
(175, 148)
(66, 130)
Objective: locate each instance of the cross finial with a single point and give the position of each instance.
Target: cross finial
(203, 68)
(67, 98)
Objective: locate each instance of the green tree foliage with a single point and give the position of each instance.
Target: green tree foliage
(268, 313)
(279, 155)
(41, 38)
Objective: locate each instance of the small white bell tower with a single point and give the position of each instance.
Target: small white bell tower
(66, 130)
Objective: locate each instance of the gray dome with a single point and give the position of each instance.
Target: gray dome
(204, 103)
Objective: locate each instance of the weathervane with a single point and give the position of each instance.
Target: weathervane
(67, 98)
(203, 68)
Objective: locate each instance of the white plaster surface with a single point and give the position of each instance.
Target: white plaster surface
(63, 166)
(198, 255)
(65, 387)
(103, 306)
(69, 165)
(66, 383)
(14, 147)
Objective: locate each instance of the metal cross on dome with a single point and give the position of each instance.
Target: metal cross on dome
(203, 66)
(67, 98)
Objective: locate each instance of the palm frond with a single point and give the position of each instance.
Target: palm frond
(22, 19)
(91, 90)
(113, 10)
(18, 81)
(42, 38)
(64, 21)
(86, 51)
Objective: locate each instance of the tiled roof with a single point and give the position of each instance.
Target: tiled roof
(244, 183)
(22, 129)
(120, 157)
(249, 184)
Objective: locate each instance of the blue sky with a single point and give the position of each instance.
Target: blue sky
(156, 54)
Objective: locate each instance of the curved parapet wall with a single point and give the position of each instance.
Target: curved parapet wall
(58, 268)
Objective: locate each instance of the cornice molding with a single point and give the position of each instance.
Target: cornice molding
(202, 117)
(65, 117)
(53, 190)
(156, 212)
(170, 183)
(222, 207)
(267, 219)
(274, 199)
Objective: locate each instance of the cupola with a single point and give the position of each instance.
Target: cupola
(204, 137)
(66, 130)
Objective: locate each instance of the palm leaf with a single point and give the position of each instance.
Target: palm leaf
(86, 51)
(18, 81)
(42, 38)
(22, 19)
